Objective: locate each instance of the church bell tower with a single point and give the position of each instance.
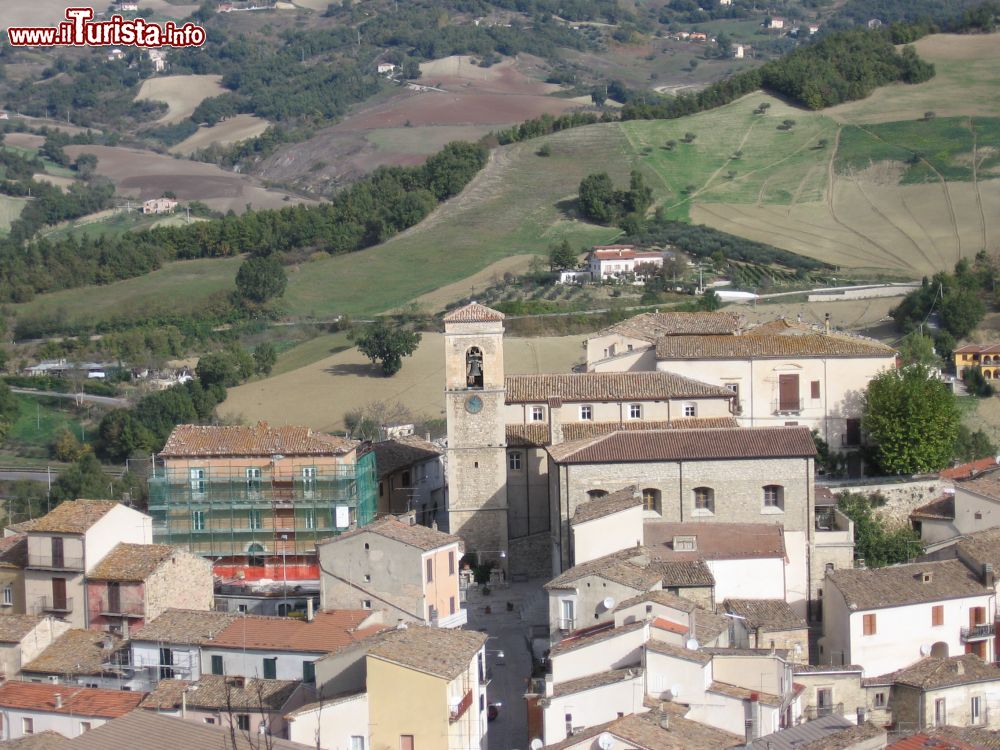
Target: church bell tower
(475, 396)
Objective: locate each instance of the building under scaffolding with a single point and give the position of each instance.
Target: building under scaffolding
(254, 508)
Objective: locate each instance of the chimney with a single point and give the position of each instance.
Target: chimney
(555, 421)
(549, 685)
(58, 699)
(988, 578)
(959, 668)
(310, 614)
(434, 524)
(826, 323)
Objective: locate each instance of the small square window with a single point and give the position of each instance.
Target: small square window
(368, 578)
(586, 412)
(514, 460)
(690, 410)
(8, 596)
(537, 413)
(243, 722)
(814, 389)
(635, 411)
(366, 604)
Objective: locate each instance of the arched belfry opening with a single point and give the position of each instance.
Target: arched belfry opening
(474, 368)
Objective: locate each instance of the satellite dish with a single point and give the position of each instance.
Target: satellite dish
(692, 644)
(925, 650)
(536, 744)
(609, 602)
(605, 741)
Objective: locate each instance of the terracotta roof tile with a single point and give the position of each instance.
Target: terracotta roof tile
(825, 668)
(473, 313)
(77, 701)
(600, 507)
(256, 440)
(769, 345)
(185, 626)
(768, 615)
(536, 434)
(77, 652)
(443, 652)
(978, 349)
(982, 546)
(646, 731)
(329, 631)
(220, 692)
(415, 535)
(683, 573)
(900, 585)
(14, 551)
(627, 567)
(663, 623)
(601, 679)
(942, 508)
(651, 326)
(986, 484)
(47, 740)
(943, 741)
(715, 541)
(734, 691)
(14, 627)
(393, 455)
(688, 445)
(968, 470)
(978, 738)
(933, 673)
(574, 642)
(678, 652)
(72, 516)
(132, 562)
(608, 386)
(659, 596)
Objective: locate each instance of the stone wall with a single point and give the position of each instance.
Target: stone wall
(183, 582)
(901, 497)
(531, 556)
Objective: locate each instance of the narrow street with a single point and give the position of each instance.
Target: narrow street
(511, 672)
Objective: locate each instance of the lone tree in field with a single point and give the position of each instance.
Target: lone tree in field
(260, 279)
(562, 256)
(912, 418)
(386, 345)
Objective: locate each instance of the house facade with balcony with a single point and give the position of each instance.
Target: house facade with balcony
(399, 567)
(410, 478)
(886, 619)
(442, 674)
(257, 495)
(66, 544)
(135, 583)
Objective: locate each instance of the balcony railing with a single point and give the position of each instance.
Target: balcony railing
(48, 604)
(786, 406)
(816, 712)
(57, 562)
(978, 632)
(461, 708)
(123, 608)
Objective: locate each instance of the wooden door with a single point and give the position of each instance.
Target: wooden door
(59, 593)
(58, 558)
(788, 392)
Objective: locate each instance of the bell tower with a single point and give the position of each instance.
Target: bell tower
(475, 395)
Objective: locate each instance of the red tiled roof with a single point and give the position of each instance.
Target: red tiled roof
(715, 541)
(970, 469)
(769, 345)
(943, 509)
(688, 445)
(473, 313)
(536, 434)
(608, 386)
(329, 631)
(36, 696)
(257, 440)
(673, 627)
(926, 742)
(978, 349)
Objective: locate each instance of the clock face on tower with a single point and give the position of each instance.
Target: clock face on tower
(473, 404)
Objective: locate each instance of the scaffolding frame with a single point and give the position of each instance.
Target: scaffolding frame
(227, 511)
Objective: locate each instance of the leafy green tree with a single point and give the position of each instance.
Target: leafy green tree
(562, 256)
(962, 311)
(597, 198)
(976, 382)
(913, 420)
(877, 543)
(261, 278)
(66, 447)
(86, 166)
(264, 357)
(121, 435)
(970, 445)
(386, 345)
(709, 301)
(83, 479)
(217, 368)
(917, 349)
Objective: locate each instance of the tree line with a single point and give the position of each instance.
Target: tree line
(369, 212)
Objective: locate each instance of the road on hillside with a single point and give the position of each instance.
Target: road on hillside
(91, 399)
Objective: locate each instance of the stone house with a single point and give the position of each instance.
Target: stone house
(410, 478)
(935, 692)
(86, 658)
(407, 571)
(135, 583)
(972, 507)
(768, 623)
(159, 206)
(831, 690)
(887, 618)
(69, 542)
(23, 637)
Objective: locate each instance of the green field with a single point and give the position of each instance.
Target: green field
(10, 209)
(41, 419)
(184, 285)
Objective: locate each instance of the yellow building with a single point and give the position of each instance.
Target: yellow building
(986, 356)
(427, 689)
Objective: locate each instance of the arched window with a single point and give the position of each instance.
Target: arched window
(704, 499)
(474, 368)
(651, 499)
(255, 554)
(774, 497)
(594, 494)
